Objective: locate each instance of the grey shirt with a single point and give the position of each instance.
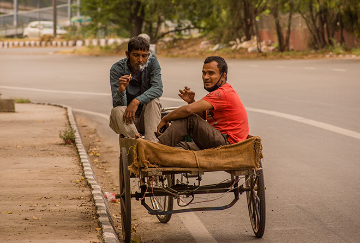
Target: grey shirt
(151, 84)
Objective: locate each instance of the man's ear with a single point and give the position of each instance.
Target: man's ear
(127, 54)
(224, 76)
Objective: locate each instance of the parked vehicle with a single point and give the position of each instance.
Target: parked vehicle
(37, 29)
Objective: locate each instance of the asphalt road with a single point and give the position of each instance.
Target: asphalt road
(306, 111)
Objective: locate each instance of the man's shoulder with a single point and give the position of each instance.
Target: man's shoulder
(119, 65)
(216, 94)
(153, 61)
(226, 87)
(224, 92)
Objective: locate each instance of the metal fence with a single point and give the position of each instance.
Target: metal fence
(33, 13)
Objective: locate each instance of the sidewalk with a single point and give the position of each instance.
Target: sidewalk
(43, 195)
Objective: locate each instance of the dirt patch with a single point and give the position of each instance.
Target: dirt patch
(192, 48)
(44, 197)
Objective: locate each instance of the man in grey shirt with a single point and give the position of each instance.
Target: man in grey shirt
(136, 86)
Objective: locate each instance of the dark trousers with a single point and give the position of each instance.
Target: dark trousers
(202, 133)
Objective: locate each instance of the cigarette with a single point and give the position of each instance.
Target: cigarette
(130, 75)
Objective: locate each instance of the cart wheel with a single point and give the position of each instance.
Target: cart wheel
(163, 203)
(125, 202)
(256, 201)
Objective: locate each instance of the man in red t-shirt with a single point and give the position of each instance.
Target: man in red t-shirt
(217, 119)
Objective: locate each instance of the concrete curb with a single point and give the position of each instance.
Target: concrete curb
(64, 43)
(102, 208)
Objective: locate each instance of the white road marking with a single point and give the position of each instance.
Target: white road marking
(253, 65)
(310, 68)
(310, 122)
(55, 91)
(339, 70)
(93, 113)
(196, 228)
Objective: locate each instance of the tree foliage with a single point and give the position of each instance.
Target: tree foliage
(325, 17)
(225, 19)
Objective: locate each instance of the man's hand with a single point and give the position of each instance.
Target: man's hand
(129, 115)
(124, 82)
(161, 125)
(187, 95)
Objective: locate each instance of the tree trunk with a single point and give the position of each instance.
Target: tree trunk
(137, 17)
(287, 42)
(342, 39)
(247, 19)
(310, 28)
(256, 31)
(330, 42)
(235, 26)
(316, 31)
(279, 33)
(322, 27)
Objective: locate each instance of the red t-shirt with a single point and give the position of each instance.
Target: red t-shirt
(228, 115)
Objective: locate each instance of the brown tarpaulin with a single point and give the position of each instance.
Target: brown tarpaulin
(243, 155)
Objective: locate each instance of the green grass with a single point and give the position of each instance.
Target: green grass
(355, 51)
(21, 100)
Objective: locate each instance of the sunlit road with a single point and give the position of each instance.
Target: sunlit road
(306, 111)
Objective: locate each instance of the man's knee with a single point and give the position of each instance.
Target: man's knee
(154, 106)
(117, 114)
(116, 117)
(118, 111)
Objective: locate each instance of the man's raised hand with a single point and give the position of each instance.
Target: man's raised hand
(187, 95)
(124, 82)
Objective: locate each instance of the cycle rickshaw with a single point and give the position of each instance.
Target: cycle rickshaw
(159, 188)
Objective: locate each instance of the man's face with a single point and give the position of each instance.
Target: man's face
(211, 74)
(137, 58)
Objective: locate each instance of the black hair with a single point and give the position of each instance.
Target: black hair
(138, 43)
(222, 65)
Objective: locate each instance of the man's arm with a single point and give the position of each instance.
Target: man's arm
(118, 98)
(184, 111)
(189, 97)
(118, 90)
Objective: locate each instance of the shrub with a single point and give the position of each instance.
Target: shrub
(68, 135)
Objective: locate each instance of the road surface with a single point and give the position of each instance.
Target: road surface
(306, 111)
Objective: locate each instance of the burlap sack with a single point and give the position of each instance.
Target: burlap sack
(243, 155)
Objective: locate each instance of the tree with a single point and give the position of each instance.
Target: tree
(136, 16)
(277, 7)
(128, 15)
(186, 14)
(322, 18)
(236, 18)
(225, 19)
(350, 16)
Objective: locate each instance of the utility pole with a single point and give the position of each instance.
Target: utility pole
(39, 17)
(78, 8)
(54, 18)
(69, 11)
(16, 15)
